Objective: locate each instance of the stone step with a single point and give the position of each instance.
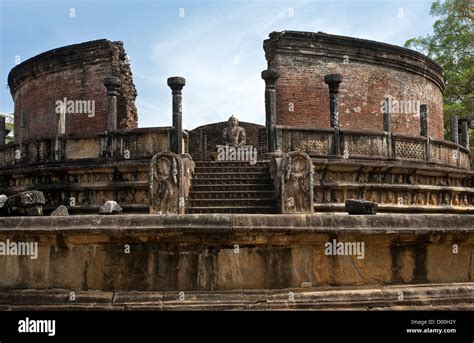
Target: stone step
(232, 187)
(239, 202)
(229, 164)
(242, 194)
(231, 170)
(227, 176)
(232, 209)
(239, 181)
(417, 297)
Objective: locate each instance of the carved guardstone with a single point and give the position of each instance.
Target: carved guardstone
(296, 183)
(28, 203)
(166, 184)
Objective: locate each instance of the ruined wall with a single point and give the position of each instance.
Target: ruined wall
(371, 71)
(75, 72)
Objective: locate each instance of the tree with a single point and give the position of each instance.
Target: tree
(9, 124)
(452, 46)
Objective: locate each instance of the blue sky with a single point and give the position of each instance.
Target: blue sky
(215, 45)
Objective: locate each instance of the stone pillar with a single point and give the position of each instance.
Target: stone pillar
(333, 81)
(60, 130)
(24, 125)
(270, 76)
(464, 137)
(424, 120)
(3, 131)
(61, 122)
(176, 84)
(112, 83)
(387, 126)
(386, 117)
(454, 129)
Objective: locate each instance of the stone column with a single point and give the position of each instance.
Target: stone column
(60, 130)
(386, 117)
(176, 84)
(61, 122)
(3, 131)
(464, 137)
(424, 120)
(333, 81)
(387, 126)
(424, 130)
(112, 83)
(270, 76)
(454, 129)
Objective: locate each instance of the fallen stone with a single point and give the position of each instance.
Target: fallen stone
(110, 207)
(28, 203)
(3, 199)
(61, 211)
(355, 206)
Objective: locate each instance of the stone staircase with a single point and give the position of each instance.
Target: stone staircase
(231, 187)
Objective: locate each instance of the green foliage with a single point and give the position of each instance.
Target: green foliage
(452, 46)
(9, 124)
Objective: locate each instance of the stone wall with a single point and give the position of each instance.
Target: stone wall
(75, 72)
(231, 252)
(395, 187)
(371, 71)
(73, 171)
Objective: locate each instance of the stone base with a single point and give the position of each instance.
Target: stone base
(224, 252)
(457, 296)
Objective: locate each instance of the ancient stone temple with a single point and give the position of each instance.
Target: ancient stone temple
(349, 183)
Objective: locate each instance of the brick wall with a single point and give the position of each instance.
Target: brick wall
(74, 72)
(371, 71)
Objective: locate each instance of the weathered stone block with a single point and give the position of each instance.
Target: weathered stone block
(61, 211)
(28, 203)
(3, 199)
(110, 207)
(354, 206)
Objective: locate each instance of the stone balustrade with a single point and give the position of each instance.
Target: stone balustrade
(355, 144)
(126, 145)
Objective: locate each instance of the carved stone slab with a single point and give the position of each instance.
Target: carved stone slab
(166, 184)
(296, 170)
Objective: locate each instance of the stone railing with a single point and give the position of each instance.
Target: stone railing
(354, 144)
(121, 145)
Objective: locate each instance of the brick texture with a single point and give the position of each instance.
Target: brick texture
(371, 71)
(74, 72)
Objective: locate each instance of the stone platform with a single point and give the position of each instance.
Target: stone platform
(454, 296)
(231, 252)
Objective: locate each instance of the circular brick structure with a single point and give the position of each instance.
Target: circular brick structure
(372, 72)
(75, 73)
